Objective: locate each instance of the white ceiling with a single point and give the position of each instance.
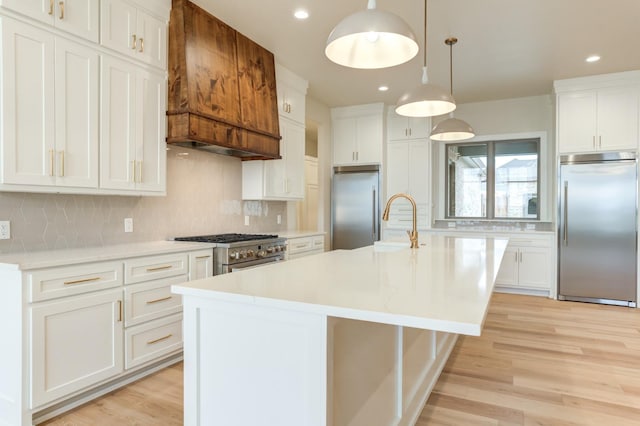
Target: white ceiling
(505, 49)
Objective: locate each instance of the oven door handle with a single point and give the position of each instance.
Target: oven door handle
(253, 264)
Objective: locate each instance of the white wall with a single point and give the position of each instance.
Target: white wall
(506, 117)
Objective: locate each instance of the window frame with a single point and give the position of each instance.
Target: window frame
(491, 178)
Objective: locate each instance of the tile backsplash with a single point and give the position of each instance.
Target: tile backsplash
(203, 196)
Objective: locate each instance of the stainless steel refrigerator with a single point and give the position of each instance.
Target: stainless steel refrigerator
(597, 224)
(355, 206)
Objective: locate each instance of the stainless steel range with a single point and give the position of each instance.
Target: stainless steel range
(234, 252)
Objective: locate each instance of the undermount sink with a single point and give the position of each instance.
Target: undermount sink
(389, 246)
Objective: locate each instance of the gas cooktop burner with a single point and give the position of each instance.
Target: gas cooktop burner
(226, 238)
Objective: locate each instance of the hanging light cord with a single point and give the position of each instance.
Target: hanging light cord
(451, 68)
(424, 64)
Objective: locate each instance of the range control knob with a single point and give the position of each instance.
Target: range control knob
(243, 254)
(234, 255)
(271, 249)
(261, 253)
(250, 253)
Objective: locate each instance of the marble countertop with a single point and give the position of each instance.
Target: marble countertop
(298, 234)
(494, 227)
(53, 258)
(444, 285)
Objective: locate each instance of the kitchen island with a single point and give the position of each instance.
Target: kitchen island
(348, 337)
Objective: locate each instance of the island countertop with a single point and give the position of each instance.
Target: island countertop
(445, 285)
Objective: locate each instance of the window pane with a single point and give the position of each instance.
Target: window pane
(467, 178)
(516, 191)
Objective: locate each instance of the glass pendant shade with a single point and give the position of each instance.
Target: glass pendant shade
(371, 39)
(452, 129)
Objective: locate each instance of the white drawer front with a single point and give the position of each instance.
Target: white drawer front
(318, 242)
(150, 341)
(64, 281)
(300, 244)
(147, 301)
(154, 267)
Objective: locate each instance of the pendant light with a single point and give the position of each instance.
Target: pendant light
(451, 129)
(371, 39)
(427, 99)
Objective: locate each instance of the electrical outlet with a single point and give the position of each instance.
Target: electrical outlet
(128, 224)
(279, 219)
(246, 220)
(5, 230)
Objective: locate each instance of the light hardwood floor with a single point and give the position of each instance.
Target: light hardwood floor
(538, 362)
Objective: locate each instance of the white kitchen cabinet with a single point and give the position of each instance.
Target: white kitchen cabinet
(304, 246)
(400, 127)
(78, 17)
(200, 264)
(282, 179)
(357, 134)
(527, 266)
(76, 342)
(131, 30)
(71, 325)
(407, 171)
(291, 92)
(133, 129)
(50, 109)
(598, 113)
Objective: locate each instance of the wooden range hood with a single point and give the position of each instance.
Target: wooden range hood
(222, 88)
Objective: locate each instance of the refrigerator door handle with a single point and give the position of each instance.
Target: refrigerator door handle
(566, 213)
(373, 211)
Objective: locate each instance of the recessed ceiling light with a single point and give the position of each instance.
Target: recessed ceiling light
(383, 88)
(301, 14)
(593, 58)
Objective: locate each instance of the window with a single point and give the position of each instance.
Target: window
(493, 180)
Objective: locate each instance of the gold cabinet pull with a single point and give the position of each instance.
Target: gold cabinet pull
(119, 310)
(133, 171)
(51, 162)
(203, 257)
(61, 9)
(50, 7)
(141, 45)
(86, 280)
(134, 43)
(158, 268)
(151, 302)
(159, 339)
(140, 169)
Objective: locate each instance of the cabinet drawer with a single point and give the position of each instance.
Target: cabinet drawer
(154, 267)
(530, 242)
(148, 342)
(300, 244)
(64, 281)
(318, 242)
(147, 301)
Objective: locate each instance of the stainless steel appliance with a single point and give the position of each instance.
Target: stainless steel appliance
(234, 252)
(355, 206)
(597, 228)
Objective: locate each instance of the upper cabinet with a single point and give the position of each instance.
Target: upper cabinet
(130, 30)
(77, 119)
(400, 127)
(357, 134)
(222, 88)
(282, 179)
(78, 17)
(599, 113)
(49, 109)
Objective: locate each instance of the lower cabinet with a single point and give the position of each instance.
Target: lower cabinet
(76, 342)
(527, 266)
(72, 328)
(304, 246)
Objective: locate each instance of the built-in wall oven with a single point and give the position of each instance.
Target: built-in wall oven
(234, 252)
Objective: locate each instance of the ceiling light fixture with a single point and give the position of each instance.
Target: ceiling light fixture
(427, 99)
(451, 129)
(383, 88)
(371, 39)
(301, 14)
(593, 58)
